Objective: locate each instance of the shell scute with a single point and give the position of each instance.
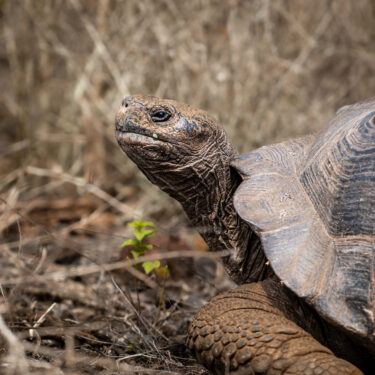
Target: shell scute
(312, 203)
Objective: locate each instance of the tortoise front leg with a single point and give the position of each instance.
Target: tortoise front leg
(241, 332)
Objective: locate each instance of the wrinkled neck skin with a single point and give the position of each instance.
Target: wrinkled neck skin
(205, 188)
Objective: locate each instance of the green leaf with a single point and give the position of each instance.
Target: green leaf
(139, 235)
(135, 224)
(148, 233)
(148, 247)
(131, 347)
(130, 241)
(139, 224)
(149, 266)
(137, 253)
(141, 248)
(163, 271)
(147, 224)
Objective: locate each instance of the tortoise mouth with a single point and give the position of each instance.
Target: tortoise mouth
(143, 149)
(133, 138)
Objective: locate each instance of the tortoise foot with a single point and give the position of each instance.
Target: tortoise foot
(322, 363)
(241, 333)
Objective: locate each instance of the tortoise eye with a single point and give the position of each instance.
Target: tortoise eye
(160, 116)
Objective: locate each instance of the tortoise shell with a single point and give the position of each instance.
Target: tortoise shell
(312, 202)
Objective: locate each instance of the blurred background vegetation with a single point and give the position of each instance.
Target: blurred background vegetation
(267, 70)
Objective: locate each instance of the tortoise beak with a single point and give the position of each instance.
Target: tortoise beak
(122, 121)
(128, 120)
(125, 125)
(131, 129)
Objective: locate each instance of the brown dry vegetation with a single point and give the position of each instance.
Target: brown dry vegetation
(266, 69)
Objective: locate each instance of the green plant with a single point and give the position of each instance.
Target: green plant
(141, 233)
(131, 348)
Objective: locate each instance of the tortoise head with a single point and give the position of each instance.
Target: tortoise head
(167, 138)
(187, 154)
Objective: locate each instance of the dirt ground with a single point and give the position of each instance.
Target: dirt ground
(79, 306)
(71, 300)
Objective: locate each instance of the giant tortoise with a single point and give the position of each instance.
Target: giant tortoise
(299, 217)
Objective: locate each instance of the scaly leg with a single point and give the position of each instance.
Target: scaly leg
(241, 332)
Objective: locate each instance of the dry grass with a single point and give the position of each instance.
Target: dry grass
(267, 70)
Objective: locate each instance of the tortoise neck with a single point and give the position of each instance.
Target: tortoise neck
(207, 199)
(209, 205)
(204, 185)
